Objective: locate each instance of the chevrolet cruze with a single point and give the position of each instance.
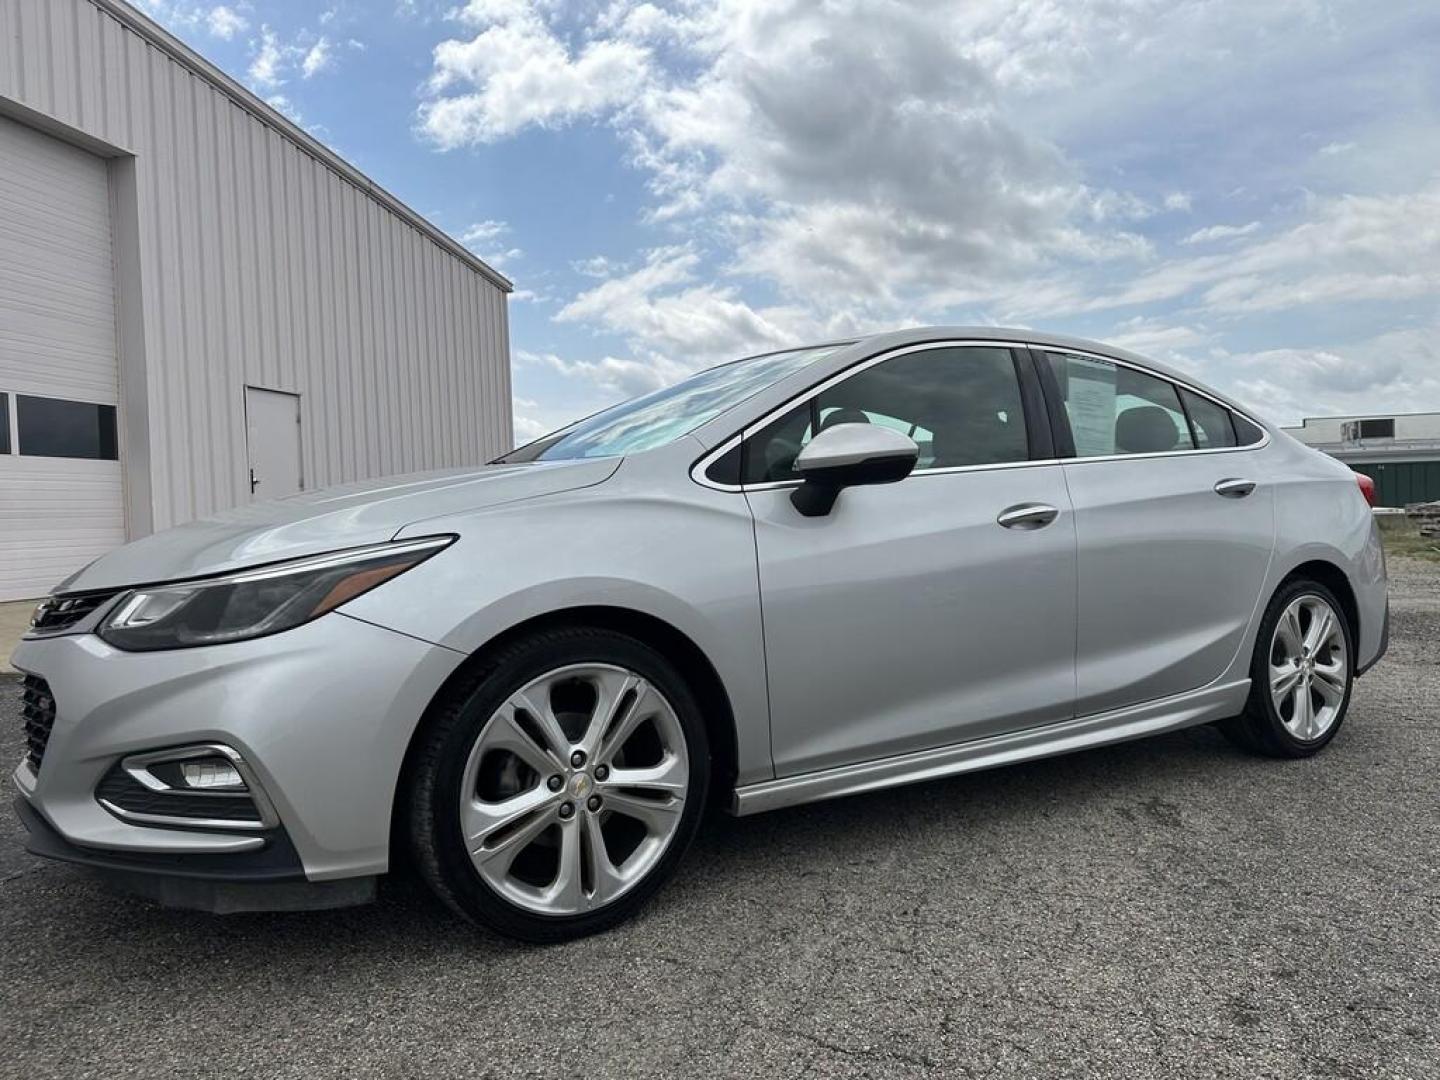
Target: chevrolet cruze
(793, 577)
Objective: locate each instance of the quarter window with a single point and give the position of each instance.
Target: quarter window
(53, 427)
(1118, 410)
(1246, 433)
(961, 405)
(1210, 422)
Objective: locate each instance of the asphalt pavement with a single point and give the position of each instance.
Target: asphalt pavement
(1168, 908)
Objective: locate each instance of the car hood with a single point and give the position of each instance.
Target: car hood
(351, 515)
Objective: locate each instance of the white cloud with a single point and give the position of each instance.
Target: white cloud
(865, 163)
(861, 163)
(527, 429)
(273, 61)
(483, 232)
(1155, 337)
(598, 266)
(611, 375)
(1388, 372)
(483, 239)
(225, 22)
(317, 58)
(518, 73)
(266, 64)
(282, 104)
(1349, 248)
(1212, 233)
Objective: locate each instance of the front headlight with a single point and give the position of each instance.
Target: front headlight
(263, 600)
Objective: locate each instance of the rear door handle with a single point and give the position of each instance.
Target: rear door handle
(1028, 516)
(1234, 488)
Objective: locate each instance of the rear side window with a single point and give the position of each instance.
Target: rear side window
(1246, 433)
(1118, 410)
(960, 405)
(1209, 422)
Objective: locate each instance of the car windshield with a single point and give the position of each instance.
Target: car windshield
(657, 418)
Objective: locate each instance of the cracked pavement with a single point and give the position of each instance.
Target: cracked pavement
(1168, 908)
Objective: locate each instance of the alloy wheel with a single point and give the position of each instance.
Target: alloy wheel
(1309, 667)
(574, 789)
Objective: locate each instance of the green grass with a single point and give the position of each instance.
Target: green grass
(1402, 537)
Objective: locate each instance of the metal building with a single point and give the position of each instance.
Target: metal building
(200, 304)
(1399, 451)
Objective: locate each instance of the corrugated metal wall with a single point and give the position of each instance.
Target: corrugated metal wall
(262, 263)
(1399, 483)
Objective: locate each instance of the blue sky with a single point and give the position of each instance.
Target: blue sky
(1249, 190)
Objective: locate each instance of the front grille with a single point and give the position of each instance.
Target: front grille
(62, 612)
(37, 708)
(122, 790)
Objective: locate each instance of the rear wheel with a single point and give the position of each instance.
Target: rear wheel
(558, 788)
(1301, 675)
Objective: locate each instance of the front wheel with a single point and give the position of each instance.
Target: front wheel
(1301, 675)
(559, 787)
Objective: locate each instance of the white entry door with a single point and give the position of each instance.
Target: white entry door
(272, 434)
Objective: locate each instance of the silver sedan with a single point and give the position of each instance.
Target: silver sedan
(793, 577)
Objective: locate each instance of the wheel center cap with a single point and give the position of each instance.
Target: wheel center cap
(580, 785)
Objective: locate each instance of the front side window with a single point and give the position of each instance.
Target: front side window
(961, 406)
(54, 427)
(1118, 410)
(654, 419)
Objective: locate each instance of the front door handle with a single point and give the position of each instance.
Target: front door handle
(1234, 488)
(1028, 516)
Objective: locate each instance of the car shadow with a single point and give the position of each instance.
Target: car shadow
(744, 859)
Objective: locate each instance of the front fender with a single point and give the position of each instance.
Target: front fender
(686, 558)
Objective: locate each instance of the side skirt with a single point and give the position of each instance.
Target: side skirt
(1133, 722)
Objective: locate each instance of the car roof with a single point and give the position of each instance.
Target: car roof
(889, 339)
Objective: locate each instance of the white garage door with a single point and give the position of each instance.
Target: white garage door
(60, 495)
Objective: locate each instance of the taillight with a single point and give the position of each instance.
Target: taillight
(1367, 487)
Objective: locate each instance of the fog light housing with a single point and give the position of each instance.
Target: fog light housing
(209, 786)
(209, 774)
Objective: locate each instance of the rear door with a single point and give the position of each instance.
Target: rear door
(1174, 526)
(910, 617)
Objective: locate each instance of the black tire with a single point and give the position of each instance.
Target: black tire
(1260, 728)
(436, 763)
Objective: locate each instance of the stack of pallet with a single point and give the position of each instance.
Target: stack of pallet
(1427, 516)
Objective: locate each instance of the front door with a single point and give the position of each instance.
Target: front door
(272, 438)
(909, 617)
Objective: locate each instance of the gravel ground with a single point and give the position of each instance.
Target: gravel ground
(1161, 909)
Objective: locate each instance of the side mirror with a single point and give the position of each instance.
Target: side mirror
(849, 455)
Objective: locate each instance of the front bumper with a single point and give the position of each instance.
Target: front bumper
(322, 714)
(266, 879)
